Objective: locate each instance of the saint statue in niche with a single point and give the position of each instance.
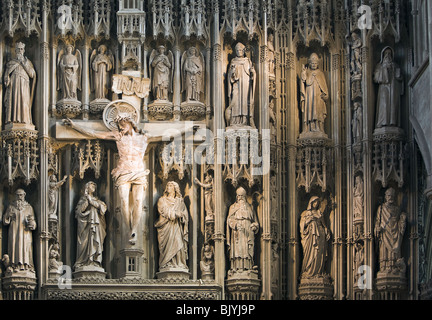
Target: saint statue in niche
(242, 226)
(20, 218)
(101, 62)
(313, 96)
(172, 229)
(69, 73)
(390, 225)
(20, 89)
(53, 191)
(193, 74)
(130, 175)
(389, 77)
(357, 122)
(161, 65)
(314, 237)
(208, 196)
(241, 89)
(90, 214)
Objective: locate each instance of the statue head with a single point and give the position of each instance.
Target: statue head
(161, 49)
(313, 203)
(192, 51)
(125, 122)
(241, 194)
(90, 188)
(20, 195)
(53, 178)
(387, 55)
(102, 49)
(173, 189)
(240, 49)
(69, 48)
(390, 196)
(20, 48)
(313, 61)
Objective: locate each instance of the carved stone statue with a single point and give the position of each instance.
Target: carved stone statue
(54, 187)
(130, 175)
(314, 94)
(208, 196)
(161, 65)
(357, 122)
(172, 229)
(54, 258)
(273, 122)
(390, 225)
(69, 72)
(358, 198)
(20, 89)
(193, 74)
(20, 218)
(242, 226)
(388, 76)
(358, 260)
(314, 237)
(207, 264)
(241, 89)
(271, 55)
(356, 47)
(101, 63)
(90, 214)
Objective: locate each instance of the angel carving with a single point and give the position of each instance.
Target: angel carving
(101, 63)
(69, 75)
(192, 63)
(161, 68)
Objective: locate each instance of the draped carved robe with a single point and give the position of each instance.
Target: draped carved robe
(172, 229)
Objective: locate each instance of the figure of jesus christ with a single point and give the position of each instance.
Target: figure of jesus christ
(130, 175)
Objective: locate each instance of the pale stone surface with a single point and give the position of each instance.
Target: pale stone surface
(241, 89)
(172, 230)
(313, 96)
(242, 225)
(19, 80)
(21, 222)
(90, 215)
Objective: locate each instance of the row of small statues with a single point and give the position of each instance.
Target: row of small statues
(172, 227)
(389, 229)
(241, 79)
(172, 232)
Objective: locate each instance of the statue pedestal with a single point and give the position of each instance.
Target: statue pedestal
(98, 105)
(69, 107)
(388, 134)
(131, 263)
(55, 274)
(173, 273)
(318, 288)
(93, 272)
(313, 138)
(193, 110)
(391, 285)
(20, 151)
(160, 110)
(243, 285)
(19, 285)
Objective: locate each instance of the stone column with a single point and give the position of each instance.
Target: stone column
(43, 123)
(264, 124)
(336, 112)
(368, 127)
(293, 256)
(218, 129)
(177, 83)
(85, 79)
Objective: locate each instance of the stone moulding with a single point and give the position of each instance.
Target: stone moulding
(141, 289)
